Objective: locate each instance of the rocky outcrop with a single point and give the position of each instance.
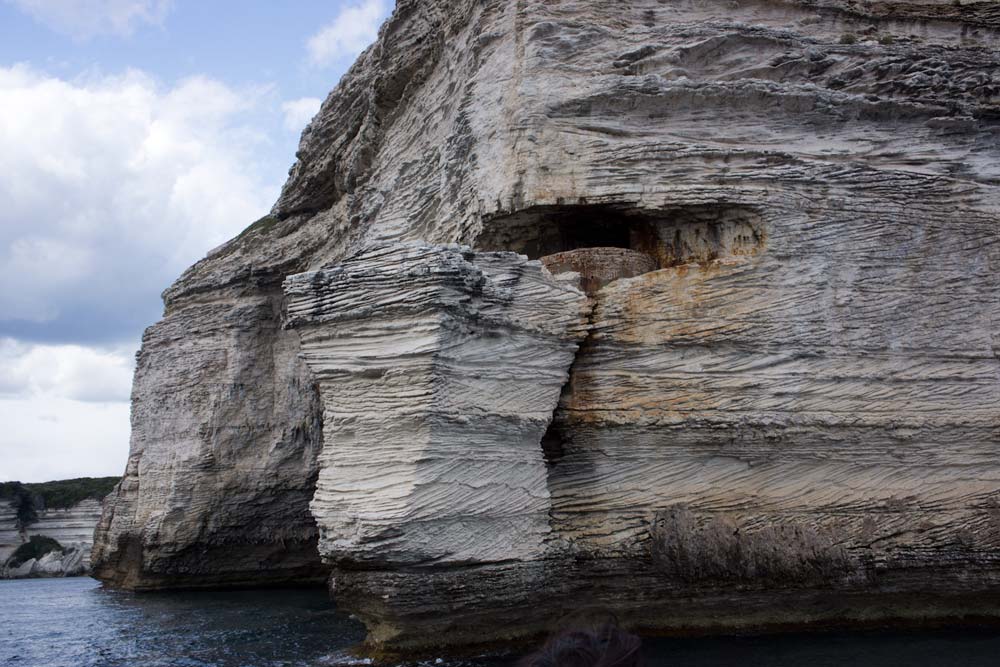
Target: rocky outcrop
(783, 411)
(69, 563)
(10, 534)
(598, 266)
(473, 353)
(72, 527)
(226, 427)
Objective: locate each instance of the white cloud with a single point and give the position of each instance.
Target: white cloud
(72, 372)
(61, 438)
(353, 29)
(66, 264)
(64, 409)
(111, 188)
(299, 112)
(87, 18)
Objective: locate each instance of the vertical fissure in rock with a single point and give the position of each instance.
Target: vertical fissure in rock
(603, 243)
(557, 433)
(442, 418)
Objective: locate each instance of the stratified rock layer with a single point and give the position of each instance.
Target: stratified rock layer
(790, 419)
(71, 527)
(435, 397)
(10, 533)
(226, 426)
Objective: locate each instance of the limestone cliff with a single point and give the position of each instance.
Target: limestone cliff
(73, 527)
(10, 533)
(776, 225)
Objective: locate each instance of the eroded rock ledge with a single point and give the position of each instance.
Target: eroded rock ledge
(439, 369)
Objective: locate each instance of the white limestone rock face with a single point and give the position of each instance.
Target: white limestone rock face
(72, 527)
(56, 564)
(21, 571)
(435, 399)
(790, 419)
(68, 563)
(225, 431)
(10, 535)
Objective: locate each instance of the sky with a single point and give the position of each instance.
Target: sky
(135, 136)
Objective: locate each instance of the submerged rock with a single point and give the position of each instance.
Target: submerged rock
(784, 409)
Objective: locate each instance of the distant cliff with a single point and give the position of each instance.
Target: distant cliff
(686, 310)
(47, 529)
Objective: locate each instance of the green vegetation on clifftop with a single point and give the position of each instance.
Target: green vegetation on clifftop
(68, 492)
(29, 499)
(20, 498)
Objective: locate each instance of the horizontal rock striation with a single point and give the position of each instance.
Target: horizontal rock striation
(783, 412)
(72, 528)
(435, 400)
(226, 426)
(10, 534)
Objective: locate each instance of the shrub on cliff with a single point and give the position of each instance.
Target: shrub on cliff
(28, 499)
(36, 547)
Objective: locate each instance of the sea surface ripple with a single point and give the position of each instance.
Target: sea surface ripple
(78, 623)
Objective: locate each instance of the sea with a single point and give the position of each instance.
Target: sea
(75, 622)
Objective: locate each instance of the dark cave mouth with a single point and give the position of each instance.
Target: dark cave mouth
(672, 236)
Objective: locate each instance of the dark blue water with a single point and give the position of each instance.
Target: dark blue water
(76, 623)
(953, 648)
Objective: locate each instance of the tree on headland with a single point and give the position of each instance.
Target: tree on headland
(28, 499)
(22, 501)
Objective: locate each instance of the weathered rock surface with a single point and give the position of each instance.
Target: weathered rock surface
(72, 527)
(598, 266)
(436, 397)
(791, 419)
(10, 535)
(69, 563)
(226, 427)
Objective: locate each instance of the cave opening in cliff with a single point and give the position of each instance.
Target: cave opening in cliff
(547, 230)
(616, 240)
